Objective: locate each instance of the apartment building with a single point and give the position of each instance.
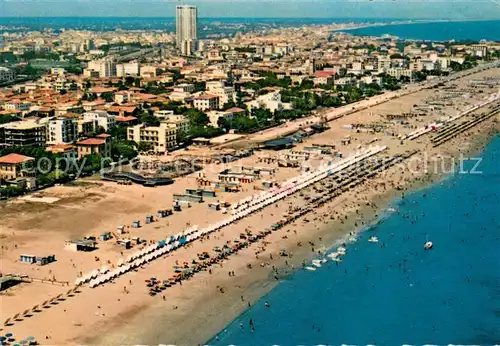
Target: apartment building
(6, 75)
(186, 28)
(184, 88)
(28, 133)
(161, 138)
(86, 127)
(224, 93)
(102, 118)
(206, 102)
(398, 72)
(127, 69)
(480, 50)
(383, 63)
(100, 68)
(61, 131)
(429, 65)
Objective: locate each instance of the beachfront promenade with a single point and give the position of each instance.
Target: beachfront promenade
(245, 207)
(337, 113)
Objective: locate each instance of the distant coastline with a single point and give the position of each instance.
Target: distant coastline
(438, 30)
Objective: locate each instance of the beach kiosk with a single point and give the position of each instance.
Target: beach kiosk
(105, 236)
(80, 245)
(30, 259)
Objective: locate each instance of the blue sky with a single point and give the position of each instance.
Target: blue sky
(428, 9)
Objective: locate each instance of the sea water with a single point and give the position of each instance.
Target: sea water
(439, 31)
(394, 292)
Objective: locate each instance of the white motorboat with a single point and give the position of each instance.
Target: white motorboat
(310, 268)
(428, 245)
(373, 239)
(316, 263)
(333, 255)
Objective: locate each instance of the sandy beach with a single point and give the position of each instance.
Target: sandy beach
(122, 312)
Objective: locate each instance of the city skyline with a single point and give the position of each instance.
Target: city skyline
(261, 9)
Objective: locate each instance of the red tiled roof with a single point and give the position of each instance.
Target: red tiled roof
(324, 73)
(15, 159)
(125, 119)
(102, 90)
(145, 96)
(61, 146)
(103, 135)
(91, 141)
(235, 110)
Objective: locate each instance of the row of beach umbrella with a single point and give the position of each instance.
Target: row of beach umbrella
(247, 206)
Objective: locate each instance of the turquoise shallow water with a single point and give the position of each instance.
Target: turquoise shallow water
(393, 292)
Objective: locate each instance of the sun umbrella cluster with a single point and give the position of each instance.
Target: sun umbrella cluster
(241, 209)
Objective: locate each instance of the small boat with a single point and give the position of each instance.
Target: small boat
(316, 263)
(333, 255)
(428, 245)
(341, 250)
(373, 239)
(310, 268)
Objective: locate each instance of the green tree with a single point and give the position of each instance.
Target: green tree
(197, 117)
(123, 150)
(108, 96)
(149, 119)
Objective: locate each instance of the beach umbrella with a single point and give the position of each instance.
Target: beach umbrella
(23, 342)
(8, 335)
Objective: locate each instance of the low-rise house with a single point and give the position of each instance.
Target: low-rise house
(66, 151)
(323, 77)
(271, 101)
(97, 146)
(14, 166)
(17, 105)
